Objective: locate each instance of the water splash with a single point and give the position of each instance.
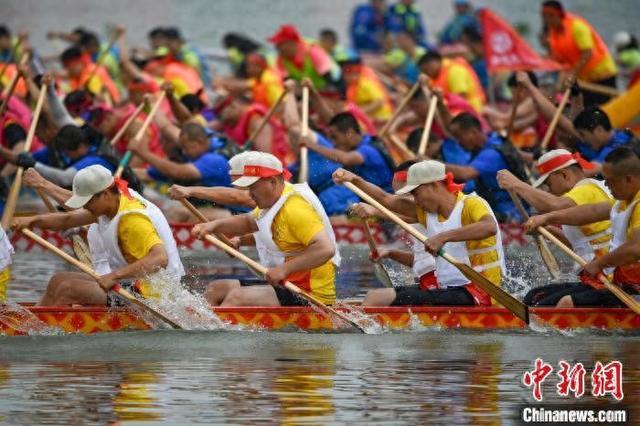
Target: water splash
(190, 311)
(357, 315)
(23, 321)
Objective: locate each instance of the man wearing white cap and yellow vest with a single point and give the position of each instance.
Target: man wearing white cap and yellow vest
(568, 186)
(129, 239)
(293, 237)
(462, 225)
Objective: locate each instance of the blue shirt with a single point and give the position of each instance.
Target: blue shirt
(367, 28)
(91, 159)
(374, 169)
(453, 153)
(488, 161)
(401, 18)
(213, 168)
(320, 168)
(619, 138)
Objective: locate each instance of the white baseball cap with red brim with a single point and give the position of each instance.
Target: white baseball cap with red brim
(261, 165)
(555, 160)
(421, 173)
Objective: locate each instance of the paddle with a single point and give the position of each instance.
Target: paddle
(89, 271)
(304, 151)
(265, 121)
(103, 55)
(555, 119)
(8, 91)
(599, 88)
(12, 198)
(381, 273)
(397, 143)
(424, 139)
(623, 296)
(147, 122)
(549, 259)
(288, 285)
(518, 308)
(114, 140)
(403, 104)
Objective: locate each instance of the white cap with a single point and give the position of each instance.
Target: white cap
(421, 173)
(621, 38)
(237, 162)
(553, 161)
(87, 183)
(260, 165)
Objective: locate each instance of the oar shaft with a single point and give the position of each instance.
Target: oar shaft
(403, 104)
(599, 88)
(555, 119)
(304, 151)
(267, 117)
(127, 124)
(47, 202)
(202, 218)
(424, 140)
(102, 57)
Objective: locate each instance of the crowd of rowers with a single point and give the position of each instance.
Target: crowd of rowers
(220, 154)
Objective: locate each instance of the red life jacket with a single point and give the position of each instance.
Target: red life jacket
(155, 145)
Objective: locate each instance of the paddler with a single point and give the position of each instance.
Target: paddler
(129, 239)
(365, 90)
(293, 235)
(621, 171)
(6, 251)
(575, 43)
(79, 67)
(462, 225)
(568, 186)
(421, 261)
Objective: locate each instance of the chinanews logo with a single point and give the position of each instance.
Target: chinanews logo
(501, 42)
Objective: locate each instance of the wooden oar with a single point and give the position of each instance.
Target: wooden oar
(599, 88)
(554, 121)
(127, 123)
(265, 120)
(303, 176)
(426, 131)
(103, 55)
(12, 198)
(89, 271)
(378, 267)
(407, 154)
(518, 308)
(8, 91)
(288, 285)
(547, 257)
(147, 122)
(12, 55)
(403, 104)
(623, 296)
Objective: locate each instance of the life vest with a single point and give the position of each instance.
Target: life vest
(363, 119)
(585, 245)
(476, 97)
(447, 274)
(105, 82)
(104, 244)
(155, 143)
(21, 89)
(627, 274)
(423, 261)
(189, 78)
(260, 90)
(308, 69)
(239, 132)
(385, 111)
(269, 253)
(565, 50)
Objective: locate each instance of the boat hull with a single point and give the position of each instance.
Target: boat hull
(88, 320)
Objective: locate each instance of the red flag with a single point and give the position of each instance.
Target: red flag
(505, 50)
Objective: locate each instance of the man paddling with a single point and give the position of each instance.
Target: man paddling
(293, 235)
(129, 239)
(462, 225)
(621, 171)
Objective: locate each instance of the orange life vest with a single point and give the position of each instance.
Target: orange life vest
(476, 97)
(260, 90)
(186, 74)
(102, 75)
(565, 50)
(9, 73)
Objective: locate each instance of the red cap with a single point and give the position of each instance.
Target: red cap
(286, 32)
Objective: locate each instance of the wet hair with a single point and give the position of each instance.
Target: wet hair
(405, 165)
(172, 33)
(554, 4)
(77, 100)
(430, 56)
(330, 34)
(194, 131)
(240, 42)
(71, 53)
(193, 103)
(344, 122)
(625, 161)
(4, 32)
(472, 33)
(591, 118)
(466, 121)
(70, 137)
(511, 82)
(156, 32)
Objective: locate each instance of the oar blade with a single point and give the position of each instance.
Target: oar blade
(134, 300)
(518, 308)
(549, 259)
(382, 275)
